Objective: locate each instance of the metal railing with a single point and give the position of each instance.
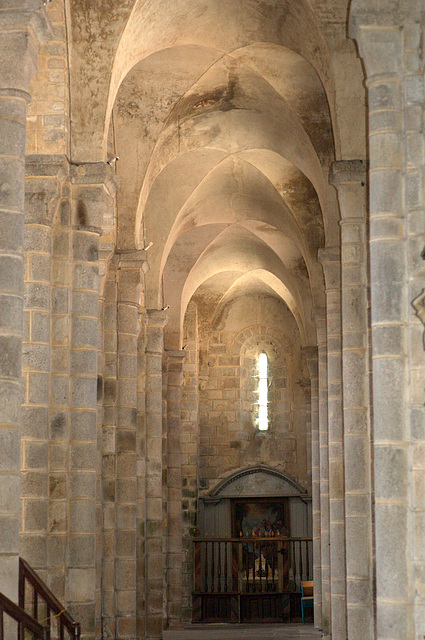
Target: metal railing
(251, 565)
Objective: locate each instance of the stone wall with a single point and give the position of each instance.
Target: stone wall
(228, 402)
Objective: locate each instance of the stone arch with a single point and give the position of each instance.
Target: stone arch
(258, 480)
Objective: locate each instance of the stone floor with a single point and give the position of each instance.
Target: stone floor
(245, 632)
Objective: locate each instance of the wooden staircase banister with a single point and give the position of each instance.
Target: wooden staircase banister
(54, 607)
(25, 622)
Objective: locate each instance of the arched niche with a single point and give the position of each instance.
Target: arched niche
(258, 482)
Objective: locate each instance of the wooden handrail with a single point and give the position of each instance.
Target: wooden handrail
(54, 607)
(25, 622)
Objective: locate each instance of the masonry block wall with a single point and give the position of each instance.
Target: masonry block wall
(228, 402)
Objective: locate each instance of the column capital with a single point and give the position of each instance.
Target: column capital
(345, 172)
(94, 174)
(156, 317)
(132, 259)
(330, 259)
(176, 355)
(382, 13)
(23, 27)
(93, 190)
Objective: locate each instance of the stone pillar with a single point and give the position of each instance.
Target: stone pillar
(128, 306)
(324, 469)
(174, 485)
(90, 200)
(312, 364)
(154, 560)
(381, 47)
(59, 403)
(349, 177)
(109, 423)
(42, 192)
(23, 25)
(330, 259)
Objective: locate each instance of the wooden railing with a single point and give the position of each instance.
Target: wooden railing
(261, 573)
(40, 603)
(23, 623)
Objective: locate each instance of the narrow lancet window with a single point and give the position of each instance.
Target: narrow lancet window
(263, 418)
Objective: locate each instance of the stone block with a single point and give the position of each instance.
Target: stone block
(85, 303)
(58, 456)
(389, 374)
(86, 277)
(36, 357)
(126, 441)
(35, 455)
(9, 449)
(126, 543)
(125, 574)
(10, 359)
(81, 551)
(40, 327)
(38, 388)
(83, 485)
(126, 465)
(39, 267)
(83, 456)
(61, 244)
(60, 300)
(84, 332)
(384, 96)
(10, 312)
(84, 362)
(127, 393)
(391, 479)
(81, 582)
(127, 417)
(126, 490)
(82, 516)
(37, 296)
(56, 547)
(38, 238)
(392, 530)
(85, 246)
(57, 486)
(84, 392)
(11, 232)
(35, 515)
(33, 548)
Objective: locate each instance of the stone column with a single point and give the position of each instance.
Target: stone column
(174, 485)
(330, 259)
(128, 306)
(154, 561)
(90, 200)
(312, 364)
(324, 468)
(59, 402)
(381, 47)
(109, 427)
(349, 177)
(23, 25)
(42, 193)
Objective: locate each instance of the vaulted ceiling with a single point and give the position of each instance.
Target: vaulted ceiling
(223, 116)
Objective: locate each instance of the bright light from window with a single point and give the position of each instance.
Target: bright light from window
(263, 419)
